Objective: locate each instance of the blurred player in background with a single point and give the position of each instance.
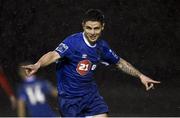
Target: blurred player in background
(77, 57)
(7, 88)
(32, 96)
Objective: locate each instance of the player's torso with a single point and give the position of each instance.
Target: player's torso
(36, 103)
(34, 93)
(83, 60)
(75, 72)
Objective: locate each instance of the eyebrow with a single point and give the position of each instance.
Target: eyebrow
(91, 27)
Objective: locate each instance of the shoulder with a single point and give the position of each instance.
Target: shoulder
(73, 41)
(73, 38)
(42, 81)
(102, 43)
(39, 80)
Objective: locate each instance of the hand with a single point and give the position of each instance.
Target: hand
(13, 101)
(148, 82)
(31, 69)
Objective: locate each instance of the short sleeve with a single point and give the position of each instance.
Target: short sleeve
(108, 54)
(64, 49)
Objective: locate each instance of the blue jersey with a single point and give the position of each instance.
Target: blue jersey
(78, 62)
(33, 92)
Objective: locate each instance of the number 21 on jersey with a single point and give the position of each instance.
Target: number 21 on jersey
(84, 67)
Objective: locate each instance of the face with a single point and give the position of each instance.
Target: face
(22, 73)
(92, 30)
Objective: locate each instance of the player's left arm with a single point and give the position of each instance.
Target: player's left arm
(21, 111)
(129, 69)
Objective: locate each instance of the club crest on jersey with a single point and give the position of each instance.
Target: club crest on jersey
(83, 67)
(62, 48)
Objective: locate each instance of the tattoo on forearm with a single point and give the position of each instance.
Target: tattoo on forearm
(128, 68)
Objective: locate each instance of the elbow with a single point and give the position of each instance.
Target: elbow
(54, 55)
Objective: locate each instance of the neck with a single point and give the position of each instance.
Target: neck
(30, 78)
(89, 43)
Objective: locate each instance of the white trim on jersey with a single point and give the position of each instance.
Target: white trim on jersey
(86, 41)
(30, 78)
(88, 116)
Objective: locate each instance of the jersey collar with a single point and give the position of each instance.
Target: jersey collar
(87, 43)
(30, 78)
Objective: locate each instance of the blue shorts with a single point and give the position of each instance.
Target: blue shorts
(88, 105)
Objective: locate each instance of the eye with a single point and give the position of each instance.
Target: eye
(89, 28)
(97, 28)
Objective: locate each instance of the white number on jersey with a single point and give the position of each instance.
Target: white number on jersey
(35, 95)
(83, 67)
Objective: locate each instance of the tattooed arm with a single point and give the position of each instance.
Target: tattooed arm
(129, 69)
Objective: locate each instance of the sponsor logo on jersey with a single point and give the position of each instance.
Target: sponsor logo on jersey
(83, 67)
(62, 48)
(84, 56)
(93, 67)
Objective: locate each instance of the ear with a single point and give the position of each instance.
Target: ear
(83, 24)
(103, 26)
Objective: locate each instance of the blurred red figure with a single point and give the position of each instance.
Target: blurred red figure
(7, 88)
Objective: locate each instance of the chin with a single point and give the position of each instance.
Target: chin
(93, 41)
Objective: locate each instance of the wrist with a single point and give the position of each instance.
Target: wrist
(38, 64)
(140, 75)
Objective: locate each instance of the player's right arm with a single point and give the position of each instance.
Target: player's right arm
(45, 60)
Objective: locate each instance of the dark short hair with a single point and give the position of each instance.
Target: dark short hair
(94, 15)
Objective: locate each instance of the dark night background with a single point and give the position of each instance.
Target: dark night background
(144, 32)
